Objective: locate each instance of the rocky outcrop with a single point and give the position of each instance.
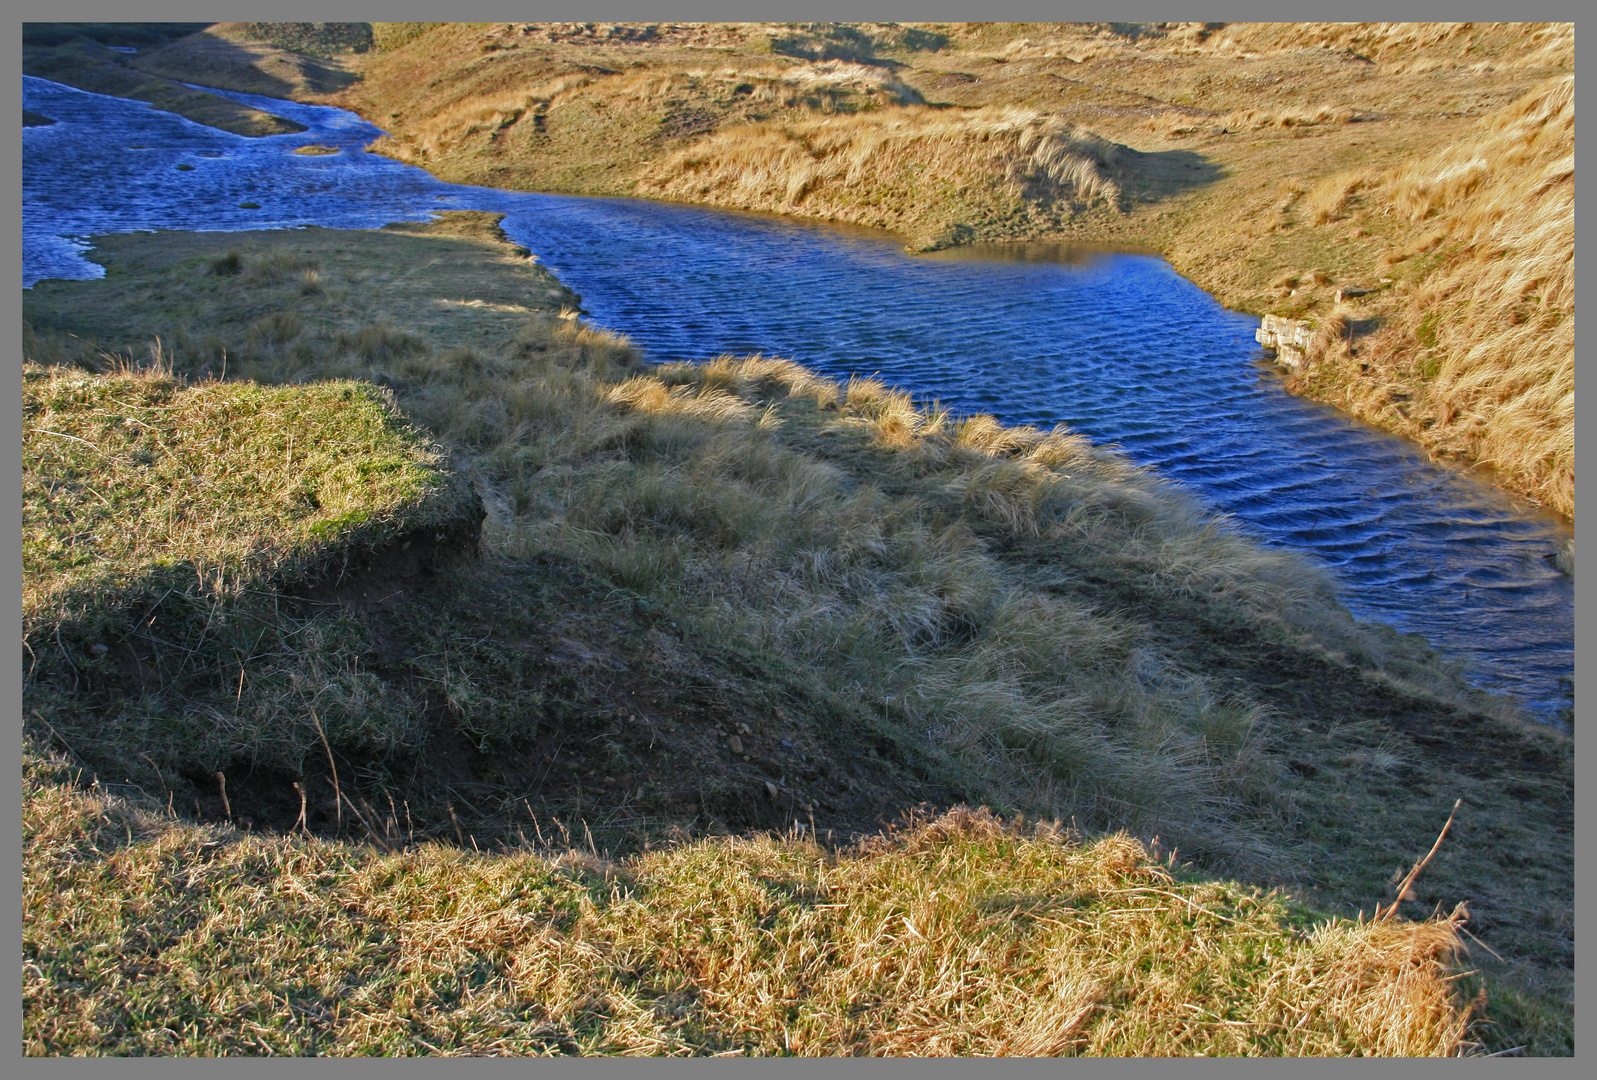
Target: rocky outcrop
(1288, 339)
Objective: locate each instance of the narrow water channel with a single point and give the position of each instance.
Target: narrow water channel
(1118, 346)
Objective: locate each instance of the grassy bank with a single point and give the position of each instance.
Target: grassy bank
(708, 600)
(1475, 360)
(1347, 174)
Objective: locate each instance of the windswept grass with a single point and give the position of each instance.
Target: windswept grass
(1011, 614)
(1255, 119)
(1405, 48)
(1486, 334)
(888, 169)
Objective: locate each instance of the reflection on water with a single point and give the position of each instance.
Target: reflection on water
(1061, 254)
(1116, 345)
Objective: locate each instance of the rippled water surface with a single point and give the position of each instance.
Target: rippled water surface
(1118, 346)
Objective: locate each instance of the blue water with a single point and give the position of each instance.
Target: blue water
(1117, 346)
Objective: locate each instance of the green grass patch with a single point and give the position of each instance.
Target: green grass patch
(137, 482)
(163, 518)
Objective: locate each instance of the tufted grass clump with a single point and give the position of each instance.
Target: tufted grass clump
(958, 935)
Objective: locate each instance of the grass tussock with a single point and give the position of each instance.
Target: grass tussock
(958, 935)
(851, 168)
(1012, 614)
(1255, 119)
(121, 466)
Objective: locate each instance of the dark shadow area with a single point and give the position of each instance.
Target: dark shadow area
(140, 35)
(323, 39)
(209, 60)
(152, 61)
(627, 731)
(89, 65)
(854, 44)
(1153, 176)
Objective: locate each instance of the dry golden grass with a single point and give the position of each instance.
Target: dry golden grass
(1489, 329)
(958, 935)
(465, 120)
(1407, 48)
(1254, 119)
(643, 112)
(775, 549)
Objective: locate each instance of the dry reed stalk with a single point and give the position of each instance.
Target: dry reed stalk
(1402, 889)
(371, 832)
(338, 796)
